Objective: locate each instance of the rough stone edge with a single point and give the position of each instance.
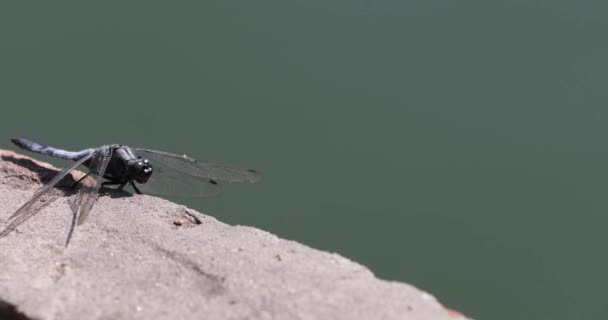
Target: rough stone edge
(24, 171)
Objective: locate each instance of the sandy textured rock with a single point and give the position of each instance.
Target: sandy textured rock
(141, 257)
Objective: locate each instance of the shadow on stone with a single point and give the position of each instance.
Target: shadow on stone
(10, 312)
(46, 174)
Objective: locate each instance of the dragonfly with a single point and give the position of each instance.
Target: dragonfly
(153, 172)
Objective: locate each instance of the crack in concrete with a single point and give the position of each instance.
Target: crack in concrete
(215, 281)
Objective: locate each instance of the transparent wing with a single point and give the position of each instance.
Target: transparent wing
(88, 195)
(163, 183)
(200, 169)
(35, 204)
(181, 176)
(41, 202)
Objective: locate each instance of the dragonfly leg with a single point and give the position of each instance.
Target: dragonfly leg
(121, 185)
(113, 183)
(135, 187)
(79, 180)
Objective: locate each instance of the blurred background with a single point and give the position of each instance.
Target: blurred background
(456, 145)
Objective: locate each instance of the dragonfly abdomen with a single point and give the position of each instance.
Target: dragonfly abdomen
(50, 151)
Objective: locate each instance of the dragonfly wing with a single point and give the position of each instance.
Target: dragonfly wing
(88, 195)
(181, 176)
(197, 168)
(169, 183)
(25, 213)
(34, 205)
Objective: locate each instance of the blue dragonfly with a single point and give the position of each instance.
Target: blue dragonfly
(151, 171)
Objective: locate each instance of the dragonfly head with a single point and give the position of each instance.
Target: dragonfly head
(139, 170)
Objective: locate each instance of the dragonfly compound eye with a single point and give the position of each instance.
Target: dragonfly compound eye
(140, 170)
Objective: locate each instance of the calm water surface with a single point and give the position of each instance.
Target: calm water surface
(456, 145)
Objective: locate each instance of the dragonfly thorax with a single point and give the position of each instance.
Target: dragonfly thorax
(125, 166)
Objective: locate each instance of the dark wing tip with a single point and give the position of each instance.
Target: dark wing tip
(255, 176)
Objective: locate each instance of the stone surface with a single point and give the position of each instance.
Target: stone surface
(141, 257)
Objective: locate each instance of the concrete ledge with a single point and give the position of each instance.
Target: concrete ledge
(141, 257)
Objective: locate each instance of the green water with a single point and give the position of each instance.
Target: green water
(456, 145)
